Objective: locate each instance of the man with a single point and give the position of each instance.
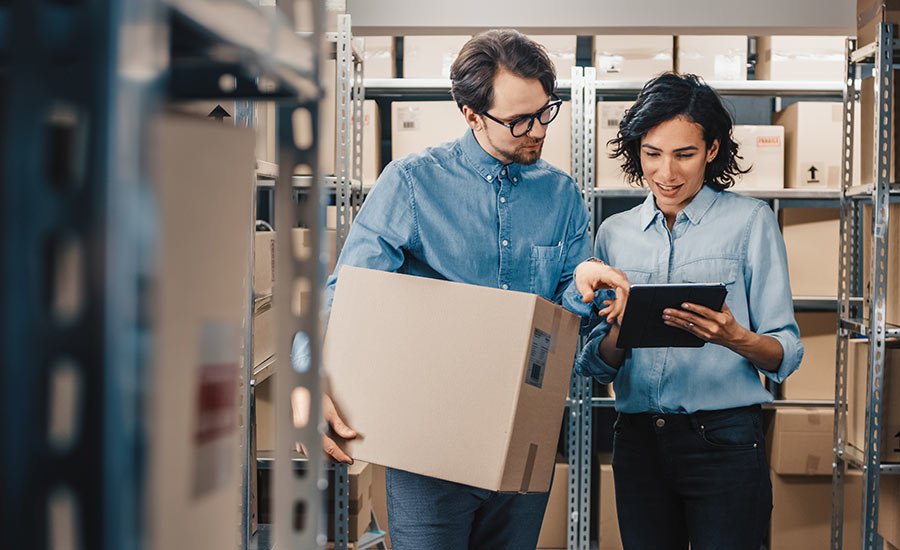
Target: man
(485, 210)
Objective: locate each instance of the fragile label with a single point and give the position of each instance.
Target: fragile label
(537, 360)
(768, 141)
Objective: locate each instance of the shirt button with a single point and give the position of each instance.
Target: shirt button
(516, 179)
(490, 177)
(504, 171)
(504, 286)
(505, 242)
(502, 199)
(660, 422)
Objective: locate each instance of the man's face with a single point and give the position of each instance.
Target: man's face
(514, 97)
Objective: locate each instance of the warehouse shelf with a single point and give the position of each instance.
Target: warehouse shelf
(266, 170)
(815, 303)
(610, 402)
(264, 370)
(860, 326)
(329, 183)
(866, 54)
(864, 192)
(784, 194)
(411, 89)
(854, 458)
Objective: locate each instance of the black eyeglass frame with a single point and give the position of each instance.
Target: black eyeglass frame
(555, 101)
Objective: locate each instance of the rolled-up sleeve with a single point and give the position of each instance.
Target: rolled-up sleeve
(588, 362)
(769, 291)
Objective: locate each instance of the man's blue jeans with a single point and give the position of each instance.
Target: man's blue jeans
(430, 514)
(701, 478)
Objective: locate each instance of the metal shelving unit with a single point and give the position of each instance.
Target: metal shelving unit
(881, 55)
(83, 100)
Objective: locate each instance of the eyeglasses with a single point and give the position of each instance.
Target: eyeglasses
(522, 125)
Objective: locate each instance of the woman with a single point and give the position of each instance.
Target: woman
(689, 458)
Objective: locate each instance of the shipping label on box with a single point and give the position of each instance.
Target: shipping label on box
(609, 116)
(762, 150)
(800, 441)
(458, 381)
(416, 125)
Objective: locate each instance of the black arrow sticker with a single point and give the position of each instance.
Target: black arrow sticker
(219, 113)
(812, 173)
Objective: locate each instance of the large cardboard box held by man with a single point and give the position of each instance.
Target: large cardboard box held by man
(453, 381)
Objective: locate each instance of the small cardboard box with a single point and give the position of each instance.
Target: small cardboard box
(866, 115)
(857, 393)
(561, 50)
(632, 57)
(378, 57)
(871, 12)
(812, 139)
(892, 296)
(889, 510)
(801, 514)
(816, 58)
(555, 528)
(815, 377)
(416, 125)
(379, 501)
(609, 116)
(430, 56)
(800, 441)
(557, 149)
(713, 58)
(263, 330)
(490, 372)
(607, 519)
(812, 238)
(762, 149)
(263, 263)
(359, 498)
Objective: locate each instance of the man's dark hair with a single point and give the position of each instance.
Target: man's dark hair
(668, 96)
(473, 70)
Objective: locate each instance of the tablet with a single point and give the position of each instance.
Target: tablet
(642, 323)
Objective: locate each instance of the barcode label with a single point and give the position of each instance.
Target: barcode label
(537, 361)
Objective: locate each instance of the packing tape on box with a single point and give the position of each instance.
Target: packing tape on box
(529, 468)
(812, 464)
(554, 330)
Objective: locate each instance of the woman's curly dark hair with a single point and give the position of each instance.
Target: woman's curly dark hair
(665, 97)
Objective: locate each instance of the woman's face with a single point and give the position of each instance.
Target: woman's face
(673, 159)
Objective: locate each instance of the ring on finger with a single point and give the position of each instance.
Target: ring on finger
(690, 325)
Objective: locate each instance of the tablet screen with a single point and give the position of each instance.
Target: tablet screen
(642, 323)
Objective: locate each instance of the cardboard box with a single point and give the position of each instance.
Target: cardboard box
(800, 441)
(713, 58)
(379, 501)
(607, 519)
(889, 510)
(812, 238)
(816, 58)
(815, 377)
(892, 285)
(263, 330)
(866, 115)
(561, 49)
(371, 159)
(491, 372)
(871, 12)
(264, 393)
(609, 116)
(762, 149)
(555, 528)
(632, 57)
(430, 56)
(812, 136)
(378, 57)
(359, 498)
(263, 263)
(199, 311)
(416, 125)
(557, 148)
(857, 394)
(801, 515)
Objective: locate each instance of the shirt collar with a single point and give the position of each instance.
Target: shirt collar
(487, 166)
(694, 211)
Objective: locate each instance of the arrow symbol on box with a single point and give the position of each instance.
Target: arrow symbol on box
(219, 113)
(812, 173)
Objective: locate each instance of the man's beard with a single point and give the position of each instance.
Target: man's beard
(520, 155)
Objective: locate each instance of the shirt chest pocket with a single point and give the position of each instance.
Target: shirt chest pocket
(712, 270)
(546, 264)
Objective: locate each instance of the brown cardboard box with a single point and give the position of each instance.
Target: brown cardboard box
(609, 116)
(889, 510)
(801, 514)
(866, 114)
(371, 159)
(871, 12)
(561, 49)
(379, 501)
(378, 57)
(558, 140)
(360, 501)
(762, 149)
(263, 263)
(632, 57)
(416, 125)
(607, 520)
(800, 441)
(263, 330)
(817, 58)
(857, 390)
(430, 56)
(555, 529)
(713, 57)
(199, 310)
(491, 372)
(264, 113)
(892, 295)
(265, 415)
(815, 377)
(812, 239)
(812, 138)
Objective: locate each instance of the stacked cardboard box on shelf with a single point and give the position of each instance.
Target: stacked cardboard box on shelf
(814, 380)
(200, 305)
(609, 116)
(762, 149)
(871, 12)
(555, 528)
(866, 114)
(713, 57)
(812, 239)
(858, 390)
(430, 56)
(607, 519)
(378, 56)
(632, 57)
(813, 58)
(511, 411)
(416, 125)
(892, 272)
(561, 50)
